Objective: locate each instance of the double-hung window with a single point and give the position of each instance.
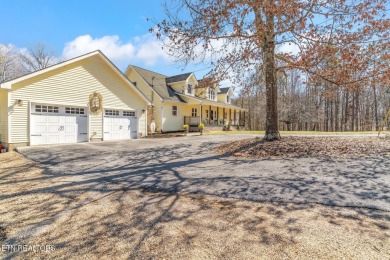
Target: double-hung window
(174, 110)
(194, 112)
(189, 89)
(211, 94)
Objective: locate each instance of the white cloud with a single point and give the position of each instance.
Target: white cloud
(289, 48)
(145, 49)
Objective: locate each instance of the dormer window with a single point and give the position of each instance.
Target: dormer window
(211, 94)
(189, 89)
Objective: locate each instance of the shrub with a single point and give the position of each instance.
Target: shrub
(185, 127)
(201, 126)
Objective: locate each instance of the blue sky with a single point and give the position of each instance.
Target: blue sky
(119, 28)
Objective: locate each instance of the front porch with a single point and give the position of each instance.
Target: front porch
(215, 116)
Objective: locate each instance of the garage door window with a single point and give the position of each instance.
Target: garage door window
(128, 113)
(111, 112)
(74, 110)
(46, 109)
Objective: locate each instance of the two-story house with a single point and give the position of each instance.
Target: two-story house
(182, 99)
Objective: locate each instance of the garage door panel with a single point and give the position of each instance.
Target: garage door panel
(40, 119)
(39, 129)
(53, 139)
(71, 119)
(53, 119)
(70, 129)
(52, 129)
(70, 139)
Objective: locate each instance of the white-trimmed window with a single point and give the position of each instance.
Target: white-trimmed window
(74, 110)
(128, 113)
(194, 112)
(174, 110)
(46, 109)
(207, 114)
(227, 99)
(110, 112)
(211, 94)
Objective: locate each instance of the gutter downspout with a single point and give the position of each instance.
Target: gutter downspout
(162, 115)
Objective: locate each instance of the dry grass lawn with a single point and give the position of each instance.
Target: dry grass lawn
(143, 224)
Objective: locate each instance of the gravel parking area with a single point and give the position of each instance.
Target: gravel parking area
(175, 198)
(190, 165)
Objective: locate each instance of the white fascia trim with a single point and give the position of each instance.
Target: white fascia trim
(173, 101)
(9, 117)
(196, 80)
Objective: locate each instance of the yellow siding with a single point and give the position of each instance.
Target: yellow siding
(150, 94)
(141, 85)
(178, 87)
(3, 115)
(158, 114)
(221, 98)
(175, 123)
(72, 85)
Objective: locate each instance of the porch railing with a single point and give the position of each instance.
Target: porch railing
(195, 121)
(192, 120)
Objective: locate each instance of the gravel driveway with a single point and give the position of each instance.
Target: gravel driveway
(188, 165)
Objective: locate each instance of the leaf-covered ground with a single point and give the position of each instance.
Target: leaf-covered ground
(304, 146)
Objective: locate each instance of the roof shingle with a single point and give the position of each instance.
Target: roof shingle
(158, 82)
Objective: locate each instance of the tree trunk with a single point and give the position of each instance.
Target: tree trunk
(272, 130)
(336, 112)
(376, 110)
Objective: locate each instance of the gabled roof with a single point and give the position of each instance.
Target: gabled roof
(178, 78)
(158, 82)
(224, 90)
(9, 83)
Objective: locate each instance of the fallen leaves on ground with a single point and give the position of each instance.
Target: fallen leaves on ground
(306, 147)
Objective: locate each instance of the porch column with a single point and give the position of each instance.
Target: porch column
(223, 116)
(234, 116)
(201, 107)
(217, 115)
(209, 114)
(230, 116)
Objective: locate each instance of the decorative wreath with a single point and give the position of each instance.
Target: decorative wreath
(96, 103)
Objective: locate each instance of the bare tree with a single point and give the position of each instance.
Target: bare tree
(240, 35)
(38, 57)
(10, 66)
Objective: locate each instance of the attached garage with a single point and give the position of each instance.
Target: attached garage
(84, 99)
(120, 124)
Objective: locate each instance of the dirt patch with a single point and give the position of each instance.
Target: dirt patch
(306, 147)
(3, 234)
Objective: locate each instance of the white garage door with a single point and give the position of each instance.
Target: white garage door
(52, 124)
(120, 124)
